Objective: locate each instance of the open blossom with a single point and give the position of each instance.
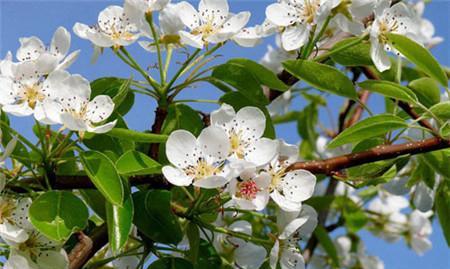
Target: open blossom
(419, 230)
(115, 28)
(289, 188)
(293, 227)
(37, 252)
(47, 59)
(390, 222)
(169, 26)
(245, 130)
(250, 191)
(73, 108)
(14, 223)
(426, 28)
(213, 23)
(298, 17)
(23, 92)
(398, 19)
(148, 6)
(198, 161)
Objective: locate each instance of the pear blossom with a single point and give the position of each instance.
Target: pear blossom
(398, 19)
(248, 37)
(390, 222)
(48, 59)
(419, 230)
(250, 191)
(24, 90)
(274, 56)
(14, 223)
(245, 130)
(298, 17)
(116, 27)
(289, 189)
(198, 161)
(169, 26)
(347, 257)
(148, 6)
(37, 252)
(293, 227)
(426, 33)
(212, 23)
(72, 107)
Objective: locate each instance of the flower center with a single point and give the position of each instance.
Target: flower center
(6, 210)
(202, 170)
(205, 30)
(32, 94)
(247, 189)
(237, 144)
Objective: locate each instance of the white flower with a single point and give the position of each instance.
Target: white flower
(37, 252)
(397, 19)
(250, 191)
(289, 189)
(390, 222)
(25, 90)
(273, 57)
(281, 104)
(298, 17)
(293, 227)
(419, 230)
(51, 58)
(148, 6)
(426, 27)
(198, 161)
(6, 65)
(248, 37)
(72, 107)
(245, 130)
(115, 28)
(169, 26)
(14, 221)
(211, 24)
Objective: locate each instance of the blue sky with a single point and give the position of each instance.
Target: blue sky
(23, 18)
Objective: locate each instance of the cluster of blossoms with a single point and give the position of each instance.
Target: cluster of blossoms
(27, 247)
(37, 84)
(233, 155)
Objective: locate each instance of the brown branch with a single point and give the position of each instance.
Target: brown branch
(364, 98)
(385, 152)
(160, 116)
(87, 247)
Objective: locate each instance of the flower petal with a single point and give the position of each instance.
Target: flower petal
(214, 144)
(176, 176)
(99, 109)
(262, 151)
(188, 15)
(281, 14)
(180, 148)
(211, 182)
(30, 49)
(189, 39)
(251, 121)
(215, 11)
(298, 185)
(60, 42)
(294, 37)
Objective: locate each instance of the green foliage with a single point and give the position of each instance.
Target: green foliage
(367, 128)
(134, 163)
(119, 221)
(171, 263)
(154, 218)
(322, 77)
(137, 136)
(390, 89)
(57, 214)
(419, 56)
(357, 55)
(443, 207)
(427, 90)
(103, 173)
(327, 244)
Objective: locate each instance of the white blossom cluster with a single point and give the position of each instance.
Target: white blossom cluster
(37, 84)
(233, 155)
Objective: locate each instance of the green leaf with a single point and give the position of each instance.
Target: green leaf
(208, 257)
(367, 128)
(441, 110)
(389, 89)
(438, 160)
(237, 100)
(134, 163)
(57, 214)
(119, 221)
(306, 124)
(358, 55)
(322, 77)
(419, 56)
(443, 207)
(427, 90)
(137, 136)
(327, 244)
(95, 201)
(116, 88)
(242, 79)
(122, 92)
(181, 116)
(154, 216)
(171, 263)
(102, 172)
(262, 74)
